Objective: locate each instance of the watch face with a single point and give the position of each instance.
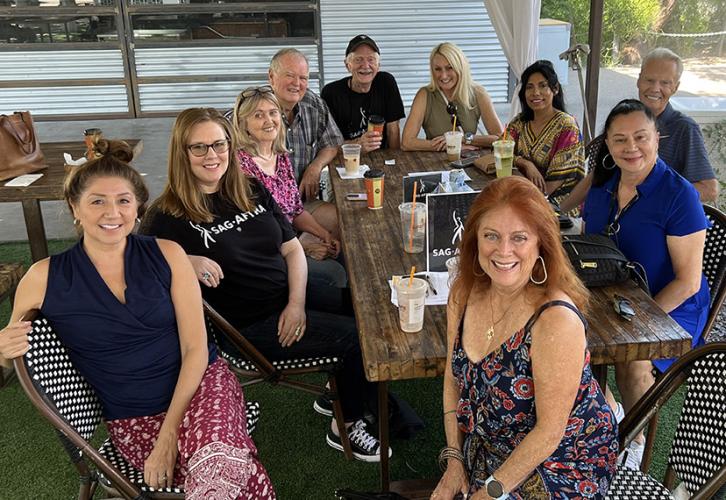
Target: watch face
(495, 489)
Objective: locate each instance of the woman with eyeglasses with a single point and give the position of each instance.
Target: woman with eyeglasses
(245, 250)
(655, 217)
(549, 149)
(257, 124)
(452, 94)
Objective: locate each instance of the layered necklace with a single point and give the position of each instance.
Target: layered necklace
(490, 331)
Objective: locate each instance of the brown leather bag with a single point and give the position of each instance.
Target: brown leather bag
(19, 147)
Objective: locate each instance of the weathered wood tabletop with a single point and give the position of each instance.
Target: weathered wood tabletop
(49, 187)
(373, 249)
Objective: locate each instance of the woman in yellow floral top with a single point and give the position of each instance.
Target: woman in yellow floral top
(549, 149)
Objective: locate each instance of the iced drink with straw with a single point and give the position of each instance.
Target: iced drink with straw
(503, 156)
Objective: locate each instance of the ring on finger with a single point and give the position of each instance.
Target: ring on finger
(297, 331)
(206, 275)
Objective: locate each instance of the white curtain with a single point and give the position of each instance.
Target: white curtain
(517, 25)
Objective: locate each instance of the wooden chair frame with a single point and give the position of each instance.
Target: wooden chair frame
(266, 371)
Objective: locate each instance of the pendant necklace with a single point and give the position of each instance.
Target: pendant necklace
(490, 331)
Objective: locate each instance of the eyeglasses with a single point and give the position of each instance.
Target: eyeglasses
(451, 109)
(201, 149)
(253, 91)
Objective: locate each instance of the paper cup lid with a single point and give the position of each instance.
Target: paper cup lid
(373, 174)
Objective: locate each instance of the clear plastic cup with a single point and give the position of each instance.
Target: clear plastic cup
(452, 266)
(411, 303)
(413, 226)
(453, 144)
(351, 158)
(503, 157)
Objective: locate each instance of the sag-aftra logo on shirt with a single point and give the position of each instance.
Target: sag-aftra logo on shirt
(231, 223)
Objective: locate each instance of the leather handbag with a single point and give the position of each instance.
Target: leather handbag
(599, 262)
(19, 147)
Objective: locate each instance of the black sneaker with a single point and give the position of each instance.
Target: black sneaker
(364, 445)
(323, 405)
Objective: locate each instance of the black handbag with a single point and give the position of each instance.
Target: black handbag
(599, 262)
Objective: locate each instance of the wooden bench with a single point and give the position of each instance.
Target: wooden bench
(10, 274)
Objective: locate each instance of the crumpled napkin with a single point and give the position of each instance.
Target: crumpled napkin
(68, 159)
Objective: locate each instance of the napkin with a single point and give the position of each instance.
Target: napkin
(440, 282)
(68, 159)
(23, 180)
(361, 170)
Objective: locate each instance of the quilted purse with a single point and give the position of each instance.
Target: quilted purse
(599, 262)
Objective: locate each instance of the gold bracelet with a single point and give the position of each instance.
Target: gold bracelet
(450, 411)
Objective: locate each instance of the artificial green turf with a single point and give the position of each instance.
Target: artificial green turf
(290, 438)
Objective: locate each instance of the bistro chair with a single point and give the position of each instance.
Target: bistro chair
(10, 275)
(253, 367)
(63, 397)
(698, 455)
(714, 268)
(591, 151)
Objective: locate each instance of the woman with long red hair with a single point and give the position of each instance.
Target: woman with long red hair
(523, 414)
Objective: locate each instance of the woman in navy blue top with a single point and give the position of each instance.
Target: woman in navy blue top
(129, 310)
(655, 217)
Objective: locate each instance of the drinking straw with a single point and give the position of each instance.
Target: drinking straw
(413, 212)
(504, 138)
(453, 129)
(410, 278)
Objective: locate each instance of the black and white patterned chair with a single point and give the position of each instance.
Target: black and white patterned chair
(253, 367)
(714, 268)
(698, 451)
(64, 397)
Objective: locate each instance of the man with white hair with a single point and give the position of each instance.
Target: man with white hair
(366, 93)
(681, 143)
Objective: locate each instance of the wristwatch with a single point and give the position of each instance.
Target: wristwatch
(468, 138)
(494, 488)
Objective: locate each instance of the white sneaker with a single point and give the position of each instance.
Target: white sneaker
(633, 455)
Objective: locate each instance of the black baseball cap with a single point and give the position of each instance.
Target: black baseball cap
(361, 40)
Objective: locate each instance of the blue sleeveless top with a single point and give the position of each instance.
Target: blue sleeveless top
(130, 352)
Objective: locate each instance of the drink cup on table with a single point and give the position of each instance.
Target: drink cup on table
(453, 144)
(503, 157)
(351, 158)
(376, 124)
(374, 188)
(413, 226)
(411, 302)
(452, 266)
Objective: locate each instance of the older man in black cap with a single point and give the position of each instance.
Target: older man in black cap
(367, 93)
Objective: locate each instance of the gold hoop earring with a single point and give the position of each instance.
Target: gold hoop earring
(544, 269)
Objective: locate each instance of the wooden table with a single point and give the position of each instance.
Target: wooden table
(373, 249)
(47, 188)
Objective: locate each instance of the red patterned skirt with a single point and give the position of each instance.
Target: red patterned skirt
(217, 459)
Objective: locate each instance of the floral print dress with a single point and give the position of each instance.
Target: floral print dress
(497, 410)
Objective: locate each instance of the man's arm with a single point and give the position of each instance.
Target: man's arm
(707, 189)
(310, 182)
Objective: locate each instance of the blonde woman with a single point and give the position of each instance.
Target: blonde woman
(451, 93)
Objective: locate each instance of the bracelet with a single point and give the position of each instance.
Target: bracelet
(447, 453)
(450, 411)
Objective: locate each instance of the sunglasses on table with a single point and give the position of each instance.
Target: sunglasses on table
(201, 149)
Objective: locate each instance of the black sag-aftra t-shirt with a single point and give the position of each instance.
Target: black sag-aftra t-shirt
(351, 109)
(246, 245)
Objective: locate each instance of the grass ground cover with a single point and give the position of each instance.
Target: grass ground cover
(290, 438)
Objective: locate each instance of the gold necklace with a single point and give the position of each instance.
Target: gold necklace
(490, 331)
(266, 158)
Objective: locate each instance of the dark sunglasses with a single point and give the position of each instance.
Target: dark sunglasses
(451, 109)
(201, 149)
(254, 91)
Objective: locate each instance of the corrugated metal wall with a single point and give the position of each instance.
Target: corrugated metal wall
(65, 65)
(248, 65)
(406, 31)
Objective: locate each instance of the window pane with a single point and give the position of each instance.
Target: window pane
(56, 29)
(220, 26)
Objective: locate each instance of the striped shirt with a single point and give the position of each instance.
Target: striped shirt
(681, 145)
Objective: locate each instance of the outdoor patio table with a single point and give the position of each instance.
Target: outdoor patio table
(47, 188)
(371, 241)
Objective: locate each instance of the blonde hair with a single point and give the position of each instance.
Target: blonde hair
(244, 108)
(181, 196)
(464, 90)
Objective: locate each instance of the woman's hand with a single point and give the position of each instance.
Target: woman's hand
(14, 339)
(332, 244)
(438, 143)
(452, 482)
(207, 270)
(529, 170)
(159, 465)
(291, 325)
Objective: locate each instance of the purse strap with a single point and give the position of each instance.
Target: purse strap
(25, 141)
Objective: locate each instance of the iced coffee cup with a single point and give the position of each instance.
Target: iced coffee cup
(413, 226)
(376, 124)
(351, 158)
(453, 144)
(503, 157)
(411, 302)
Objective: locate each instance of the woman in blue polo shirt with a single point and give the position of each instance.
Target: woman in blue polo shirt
(655, 217)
